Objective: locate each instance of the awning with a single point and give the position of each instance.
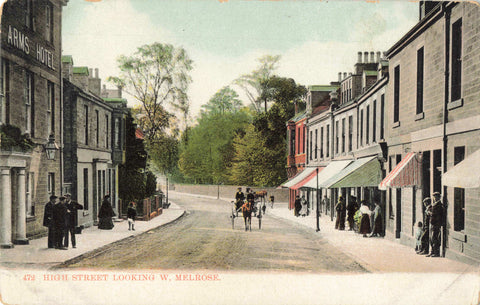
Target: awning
(465, 174)
(362, 172)
(406, 173)
(299, 177)
(330, 170)
(308, 178)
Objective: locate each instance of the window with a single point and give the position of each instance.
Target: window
(85, 189)
(337, 136)
(321, 143)
(303, 140)
(97, 127)
(396, 95)
(29, 103)
(116, 136)
(350, 132)
(29, 14)
(328, 141)
(50, 108)
(49, 23)
(106, 131)
(367, 127)
(85, 131)
(99, 186)
(51, 184)
(459, 195)
(109, 181)
(29, 187)
(316, 147)
(310, 145)
(343, 135)
(361, 128)
(114, 188)
(456, 60)
(3, 91)
(391, 212)
(382, 117)
(420, 71)
(374, 119)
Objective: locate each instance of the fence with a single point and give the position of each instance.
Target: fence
(147, 208)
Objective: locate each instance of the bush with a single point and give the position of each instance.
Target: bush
(12, 137)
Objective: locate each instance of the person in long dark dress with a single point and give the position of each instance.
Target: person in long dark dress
(365, 221)
(425, 238)
(377, 221)
(105, 214)
(340, 208)
(48, 220)
(351, 209)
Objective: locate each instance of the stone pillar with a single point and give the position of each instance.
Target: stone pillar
(6, 209)
(21, 225)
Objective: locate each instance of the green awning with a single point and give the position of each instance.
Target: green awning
(361, 173)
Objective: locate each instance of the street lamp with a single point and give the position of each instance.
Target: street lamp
(318, 205)
(51, 147)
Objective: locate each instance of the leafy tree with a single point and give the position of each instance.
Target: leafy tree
(225, 100)
(157, 75)
(252, 83)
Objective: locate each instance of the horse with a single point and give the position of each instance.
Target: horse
(247, 215)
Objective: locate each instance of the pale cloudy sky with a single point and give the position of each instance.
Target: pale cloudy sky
(316, 39)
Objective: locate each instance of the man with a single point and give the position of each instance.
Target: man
(72, 219)
(425, 238)
(239, 198)
(250, 196)
(341, 211)
(351, 209)
(436, 222)
(59, 222)
(48, 220)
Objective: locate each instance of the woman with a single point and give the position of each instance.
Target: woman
(340, 208)
(105, 214)
(377, 221)
(365, 221)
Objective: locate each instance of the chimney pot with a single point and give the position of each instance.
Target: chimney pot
(339, 76)
(359, 60)
(379, 56)
(344, 75)
(372, 57)
(90, 72)
(365, 57)
(96, 72)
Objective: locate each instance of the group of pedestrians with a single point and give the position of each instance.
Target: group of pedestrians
(301, 206)
(61, 218)
(360, 218)
(428, 235)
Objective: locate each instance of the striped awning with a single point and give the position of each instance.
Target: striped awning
(299, 177)
(332, 169)
(407, 173)
(307, 179)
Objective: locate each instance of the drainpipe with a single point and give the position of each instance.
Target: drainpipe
(446, 12)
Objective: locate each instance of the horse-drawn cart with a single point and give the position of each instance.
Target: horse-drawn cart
(257, 209)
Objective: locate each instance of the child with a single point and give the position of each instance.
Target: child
(418, 237)
(131, 214)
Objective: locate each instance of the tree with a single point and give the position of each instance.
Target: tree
(252, 83)
(225, 100)
(157, 75)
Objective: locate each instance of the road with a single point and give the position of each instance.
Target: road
(204, 240)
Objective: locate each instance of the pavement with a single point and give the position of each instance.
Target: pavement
(36, 255)
(374, 254)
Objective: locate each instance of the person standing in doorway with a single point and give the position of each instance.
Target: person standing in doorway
(377, 221)
(351, 209)
(72, 219)
(436, 222)
(48, 220)
(340, 208)
(425, 238)
(365, 221)
(298, 205)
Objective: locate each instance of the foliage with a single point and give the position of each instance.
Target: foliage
(225, 100)
(164, 153)
(252, 83)
(12, 137)
(157, 75)
(150, 184)
(207, 149)
(133, 176)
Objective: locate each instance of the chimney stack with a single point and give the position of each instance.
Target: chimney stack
(339, 77)
(365, 57)
(96, 72)
(344, 75)
(359, 60)
(372, 57)
(90, 72)
(379, 56)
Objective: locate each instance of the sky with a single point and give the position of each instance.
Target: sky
(315, 39)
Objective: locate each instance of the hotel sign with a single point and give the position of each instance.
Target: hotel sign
(22, 42)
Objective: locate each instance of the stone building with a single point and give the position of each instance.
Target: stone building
(433, 106)
(93, 140)
(30, 99)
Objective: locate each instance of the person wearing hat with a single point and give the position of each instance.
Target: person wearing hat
(351, 210)
(341, 213)
(72, 219)
(105, 214)
(59, 222)
(239, 198)
(48, 220)
(425, 238)
(436, 222)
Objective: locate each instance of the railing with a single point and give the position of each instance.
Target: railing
(147, 208)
